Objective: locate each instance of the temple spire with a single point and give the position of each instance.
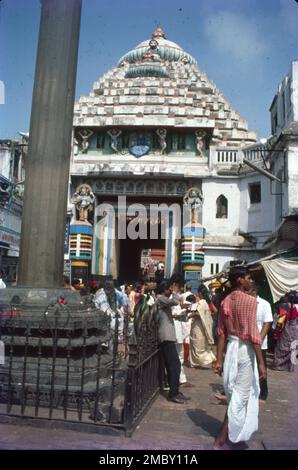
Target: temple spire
(158, 33)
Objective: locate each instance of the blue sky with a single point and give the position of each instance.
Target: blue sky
(244, 46)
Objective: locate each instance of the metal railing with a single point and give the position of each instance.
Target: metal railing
(67, 365)
(255, 153)
(142, 381)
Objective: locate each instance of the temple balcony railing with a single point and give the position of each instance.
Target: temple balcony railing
(234, 156)
(255, 152)
(224, 156)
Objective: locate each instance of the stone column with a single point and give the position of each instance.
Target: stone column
(47, 165)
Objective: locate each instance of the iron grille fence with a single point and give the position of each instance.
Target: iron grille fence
(66, 364)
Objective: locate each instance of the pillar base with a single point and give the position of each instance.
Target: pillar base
(58, 353)
(28, 296)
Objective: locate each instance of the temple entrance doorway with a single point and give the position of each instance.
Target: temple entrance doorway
(117, 249)
(139, 258)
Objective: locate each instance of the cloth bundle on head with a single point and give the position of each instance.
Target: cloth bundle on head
(215, 284)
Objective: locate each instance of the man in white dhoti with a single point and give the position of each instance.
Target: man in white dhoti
(237, 327)
(180, 319)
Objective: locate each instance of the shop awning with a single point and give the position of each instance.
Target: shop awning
(282, 276)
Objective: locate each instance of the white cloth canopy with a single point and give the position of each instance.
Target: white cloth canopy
(282, 276)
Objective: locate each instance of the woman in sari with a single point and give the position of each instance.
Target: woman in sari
(201, 338)
(285, 333)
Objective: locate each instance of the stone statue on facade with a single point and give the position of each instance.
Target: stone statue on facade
(184, 58)
(151, 53)
(115, 134)
(194, 199)
(162, 135)
(84, 200)
(200, 142)
(85, 134)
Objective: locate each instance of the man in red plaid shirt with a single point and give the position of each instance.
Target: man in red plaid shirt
(237, 327)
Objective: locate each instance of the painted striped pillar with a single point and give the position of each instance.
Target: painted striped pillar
(103, 244)
(80, 241)
(192, 252)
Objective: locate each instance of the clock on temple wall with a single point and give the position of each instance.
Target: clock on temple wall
(140, 144)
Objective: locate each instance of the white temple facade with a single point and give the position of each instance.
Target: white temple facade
(152, 128)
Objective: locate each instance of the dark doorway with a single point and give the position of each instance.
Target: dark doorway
(130, 257)
(130, 250)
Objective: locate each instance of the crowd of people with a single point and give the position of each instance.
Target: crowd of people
(153, 272)
(224, 327)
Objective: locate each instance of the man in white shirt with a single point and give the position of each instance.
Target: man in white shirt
(179, 316)
(264, 320)
(186, 327)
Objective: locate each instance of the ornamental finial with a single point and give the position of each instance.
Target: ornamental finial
(158, 33)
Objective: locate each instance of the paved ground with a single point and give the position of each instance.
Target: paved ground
(171, 426)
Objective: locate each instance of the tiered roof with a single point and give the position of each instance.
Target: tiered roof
(159, 84)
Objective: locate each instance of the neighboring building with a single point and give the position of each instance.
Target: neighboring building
(152, 128)
(11, 202)
(283, 146)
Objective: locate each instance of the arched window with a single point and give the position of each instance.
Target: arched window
(221, 207)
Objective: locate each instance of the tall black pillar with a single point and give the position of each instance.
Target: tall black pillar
(47, 165)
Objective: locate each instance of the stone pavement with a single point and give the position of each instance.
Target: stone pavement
(171, 426)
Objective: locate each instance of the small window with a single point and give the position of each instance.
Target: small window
(181, 142)
(125, 141)
(255, 193)
(100, 141)
(216, 268)
(169, 143)
(211, 268)
(221, 207)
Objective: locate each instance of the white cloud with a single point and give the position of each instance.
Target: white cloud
(235, 35)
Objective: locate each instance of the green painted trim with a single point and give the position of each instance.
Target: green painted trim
(8, 230)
